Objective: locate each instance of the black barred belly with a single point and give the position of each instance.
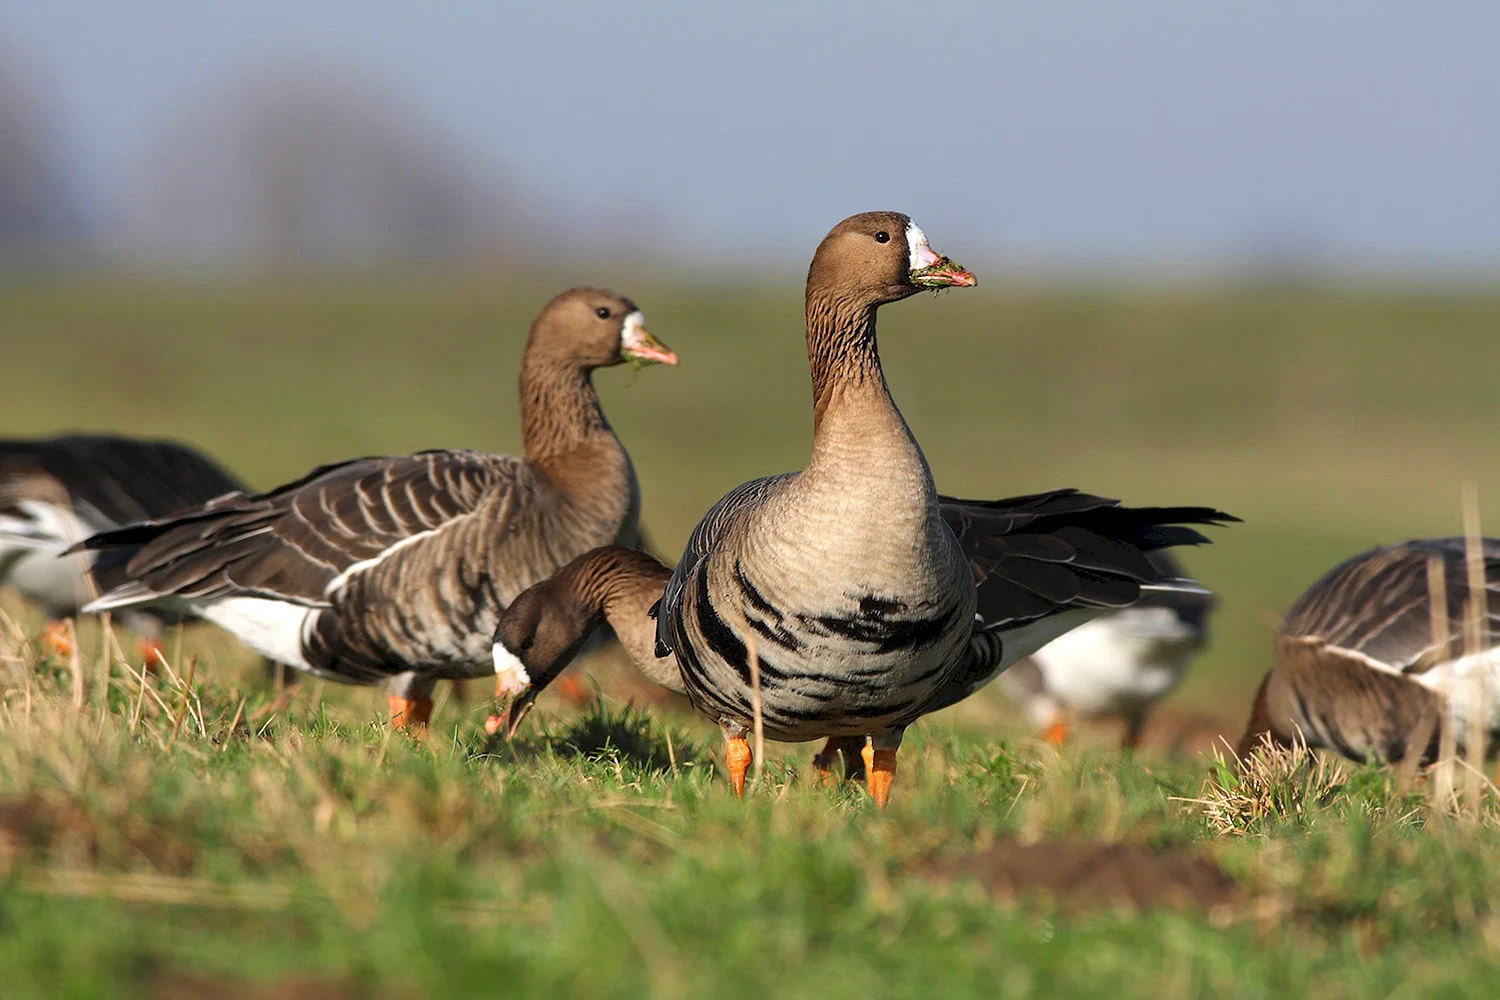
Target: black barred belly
(820, 675)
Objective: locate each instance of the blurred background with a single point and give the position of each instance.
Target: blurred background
(1244, 255)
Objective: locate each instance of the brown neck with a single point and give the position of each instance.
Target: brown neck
(559, 408)
(623, 583)
(841, 352)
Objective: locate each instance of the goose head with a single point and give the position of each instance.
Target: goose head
(538, 636)
(879, 257)
(597, 328)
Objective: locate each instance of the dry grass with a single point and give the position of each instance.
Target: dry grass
(1272, 785)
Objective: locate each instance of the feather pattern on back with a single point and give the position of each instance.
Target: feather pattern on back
(400, 566)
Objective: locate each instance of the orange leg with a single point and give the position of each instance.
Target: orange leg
(880, 772)
(573, 690)
(152, 653)
(59, 638)
(409, 713)
(737, 760)
(1057, 732)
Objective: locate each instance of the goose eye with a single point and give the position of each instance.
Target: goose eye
(529, 641)
(882, 237)
(602, 313)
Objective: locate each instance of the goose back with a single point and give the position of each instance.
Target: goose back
(1365, 661)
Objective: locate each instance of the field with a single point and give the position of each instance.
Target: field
(163, 839)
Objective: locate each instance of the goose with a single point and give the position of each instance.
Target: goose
(55, 492)
(547, 625)
(1367, 662)
(1118, 665)
(853, 580)
(393, 570)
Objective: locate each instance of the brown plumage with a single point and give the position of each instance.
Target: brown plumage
(1366, 661)
(857, 584)
(395, 569)
(546, 626)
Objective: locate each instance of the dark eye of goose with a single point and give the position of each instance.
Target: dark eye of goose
(602, 312)
(528, 642)
(882, 237)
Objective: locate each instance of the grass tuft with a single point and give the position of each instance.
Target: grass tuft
(1272, 788)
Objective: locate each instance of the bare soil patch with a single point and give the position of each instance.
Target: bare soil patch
(1081, 875)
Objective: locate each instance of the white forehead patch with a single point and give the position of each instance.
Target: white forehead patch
(916, 242)
(510, 673)
(632, 329)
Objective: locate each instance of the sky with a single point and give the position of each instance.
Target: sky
(1362, 133)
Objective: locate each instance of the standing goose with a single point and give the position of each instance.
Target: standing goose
(1117, 665)
(1360, 666)
(854, 580)
(55, 492)
(394, 570)
(546, 626)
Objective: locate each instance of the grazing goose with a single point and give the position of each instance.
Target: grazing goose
(1118, 665)
(854, 581)
(55, 492)
(1366, 657)
(394, 570)
(546, 626)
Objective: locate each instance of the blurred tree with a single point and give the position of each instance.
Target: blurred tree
(302, 172)
(35, 219)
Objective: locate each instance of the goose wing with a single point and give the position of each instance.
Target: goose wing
(1379, 604)
(300, 542)
(1047, 562)
(703, 540)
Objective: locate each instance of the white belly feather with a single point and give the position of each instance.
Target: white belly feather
(1118, 662)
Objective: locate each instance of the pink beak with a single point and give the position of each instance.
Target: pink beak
(935, 271)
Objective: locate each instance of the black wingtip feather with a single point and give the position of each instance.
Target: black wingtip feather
(1021, 548)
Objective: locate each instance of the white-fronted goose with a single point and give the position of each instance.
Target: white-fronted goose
(55, 492)
(1366, 657)
(854, 580)
(394, 570)
(545, 627)
(1118, 665)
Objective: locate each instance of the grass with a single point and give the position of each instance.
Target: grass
(173, 840)
(167, 840)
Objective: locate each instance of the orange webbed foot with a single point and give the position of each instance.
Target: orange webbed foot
(1056, 733)
(409, 713)
(58, 638)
